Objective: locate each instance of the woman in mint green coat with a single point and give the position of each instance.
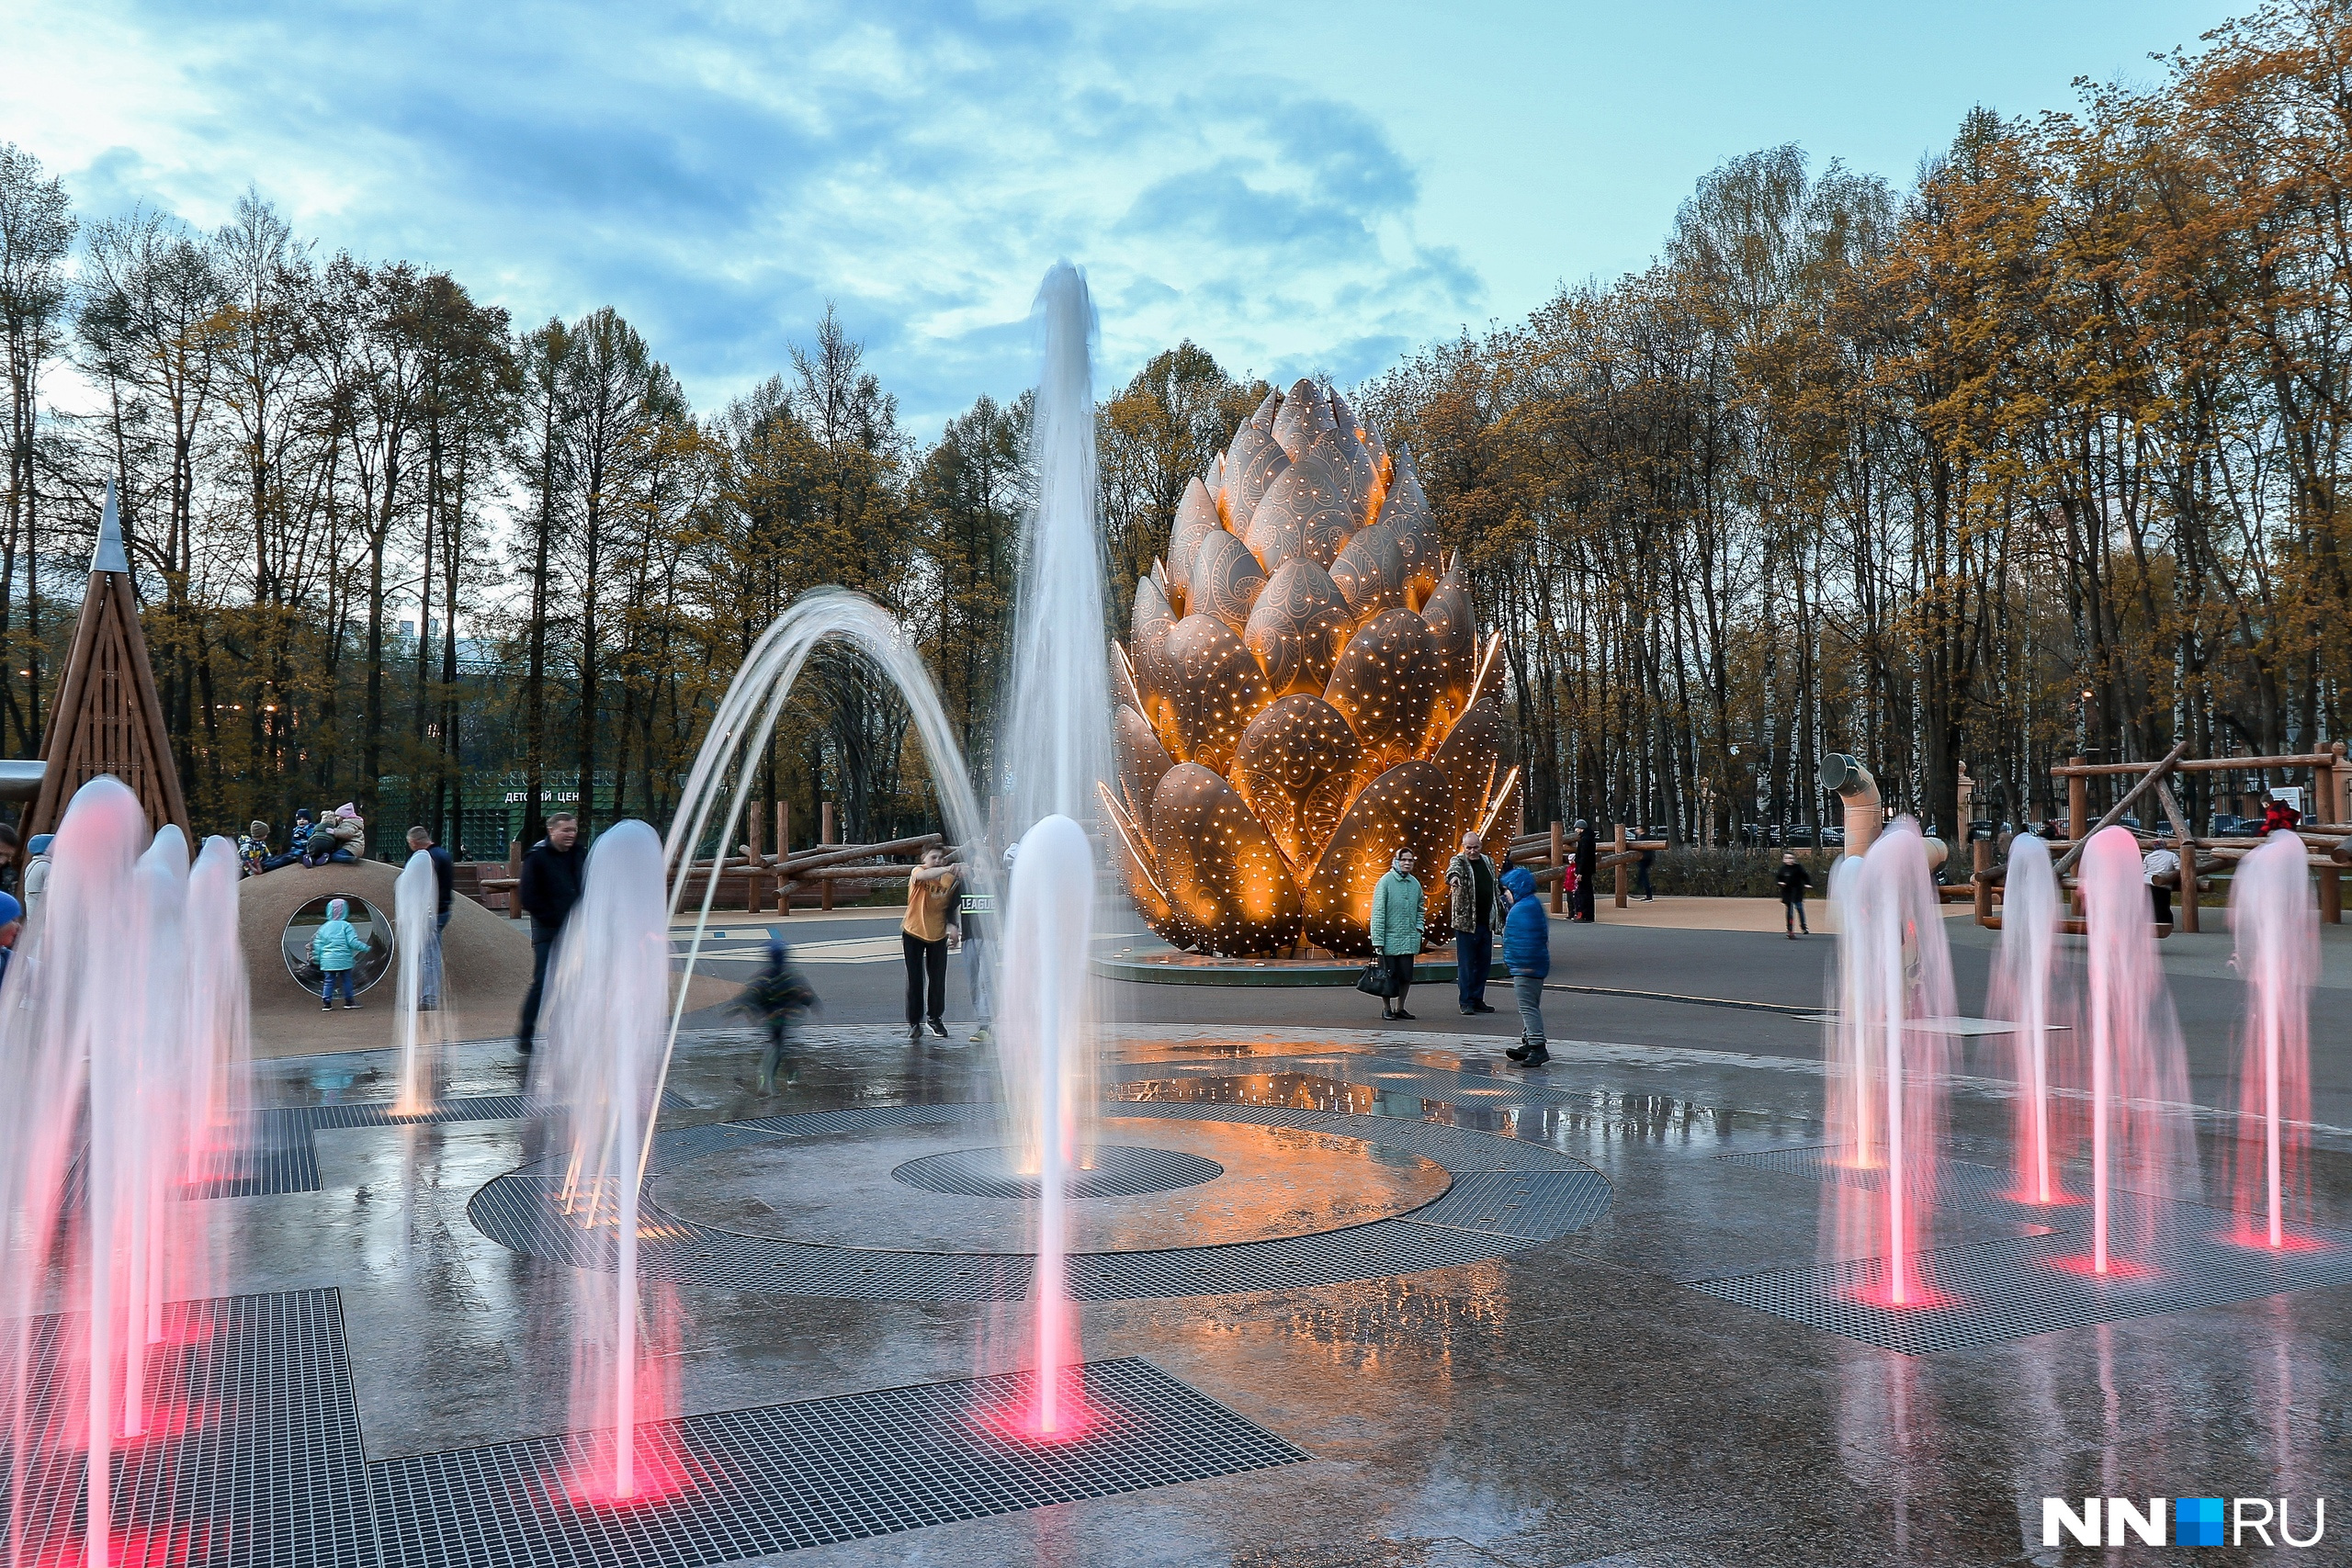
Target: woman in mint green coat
(1397, 916)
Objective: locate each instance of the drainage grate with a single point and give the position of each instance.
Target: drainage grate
(255, 1462)
(751, 1482)
(519, 1211)
(283, 1158)
(1117, 1172)
(1533, 1206)
(2175, 1256)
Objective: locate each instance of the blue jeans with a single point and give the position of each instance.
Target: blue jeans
(330, 979)
(1474, 953)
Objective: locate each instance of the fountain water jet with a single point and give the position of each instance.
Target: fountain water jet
(609, 1000)
(2276, 929)
(2138, 1071)
(1887, 1114)
(2021, 994)
(416, 1003)
(121, 1024)
(1048, 930)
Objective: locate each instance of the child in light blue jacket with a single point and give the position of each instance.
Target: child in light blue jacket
(336, 946)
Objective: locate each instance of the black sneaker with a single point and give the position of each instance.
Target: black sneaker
(1401, 1012)
(1518, 1052)
(939, 1029)
(1482, 1006)
(352, 1006)
(1534, 1058)
(914, 1035)
(326, 1006)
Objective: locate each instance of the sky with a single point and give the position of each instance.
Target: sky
(1301, 190)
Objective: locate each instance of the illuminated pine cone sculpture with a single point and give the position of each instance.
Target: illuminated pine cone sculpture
(1305, 691)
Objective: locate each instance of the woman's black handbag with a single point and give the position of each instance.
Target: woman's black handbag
(1374, 980)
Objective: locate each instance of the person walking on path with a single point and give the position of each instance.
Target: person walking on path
(1397, 914)
(922, 937)
(1587, 860)
(336, 946)
(36, 878)
(1527, 948)
(1792, 880)
(1642, 873)
(549, 887)
(1471, 885)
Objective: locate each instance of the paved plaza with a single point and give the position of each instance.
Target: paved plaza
(1345, 1295)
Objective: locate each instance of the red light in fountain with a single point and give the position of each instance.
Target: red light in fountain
(656, 1471)
(1065, 1418)
(1919, 1294)
(2110, 1267)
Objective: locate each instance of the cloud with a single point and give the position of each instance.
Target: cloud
(720, 174)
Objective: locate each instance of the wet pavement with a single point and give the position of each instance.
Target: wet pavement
(1570, 1400)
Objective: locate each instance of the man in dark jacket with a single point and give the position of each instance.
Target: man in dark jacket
(552, 876)
(445, 872)
(1792, 880)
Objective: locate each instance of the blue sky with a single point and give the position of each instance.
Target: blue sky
(1300, 188)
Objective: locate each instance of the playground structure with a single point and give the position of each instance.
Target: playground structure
(752, 879)
(2326, 833)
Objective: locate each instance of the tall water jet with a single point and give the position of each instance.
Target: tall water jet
(2021, 995)
(1057, 734)
(419, 1019)
(2138, 1073)
(2274, 927)
(220, 1088)
(156, 1161)
(1048, 930)
(608, 1009)
(1894, 972)
(77, 1218)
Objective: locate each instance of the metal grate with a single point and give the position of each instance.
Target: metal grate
(520, 1211)
(1117, 1172)
(283, 1157)
(753, 1483)
(1533, 1206)
(2173, 1257)
(254, 1460)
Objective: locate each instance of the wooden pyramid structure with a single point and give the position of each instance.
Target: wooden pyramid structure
(107, 718)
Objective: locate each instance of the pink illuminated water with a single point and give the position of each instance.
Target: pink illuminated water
(607, 1030)
(1888, 1079)
(2139, 1081)
(123, 1043)
(1048, 930)
(2023, 982)
(2275, 929)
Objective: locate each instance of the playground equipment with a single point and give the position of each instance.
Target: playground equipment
(2326, 833)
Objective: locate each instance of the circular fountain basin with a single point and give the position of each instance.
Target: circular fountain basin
(1113, 1170)
(1244, 1183)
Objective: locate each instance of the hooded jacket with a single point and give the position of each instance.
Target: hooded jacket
(336, 944)
(1526, 932)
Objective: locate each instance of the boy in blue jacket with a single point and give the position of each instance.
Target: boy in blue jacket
(336, 946)
(1527, 948)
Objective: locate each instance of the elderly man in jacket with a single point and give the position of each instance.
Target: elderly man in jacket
(1471, 882)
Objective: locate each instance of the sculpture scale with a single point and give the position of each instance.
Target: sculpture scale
(1304, 692)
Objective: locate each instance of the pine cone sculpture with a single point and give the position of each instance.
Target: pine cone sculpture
(1304, 692)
